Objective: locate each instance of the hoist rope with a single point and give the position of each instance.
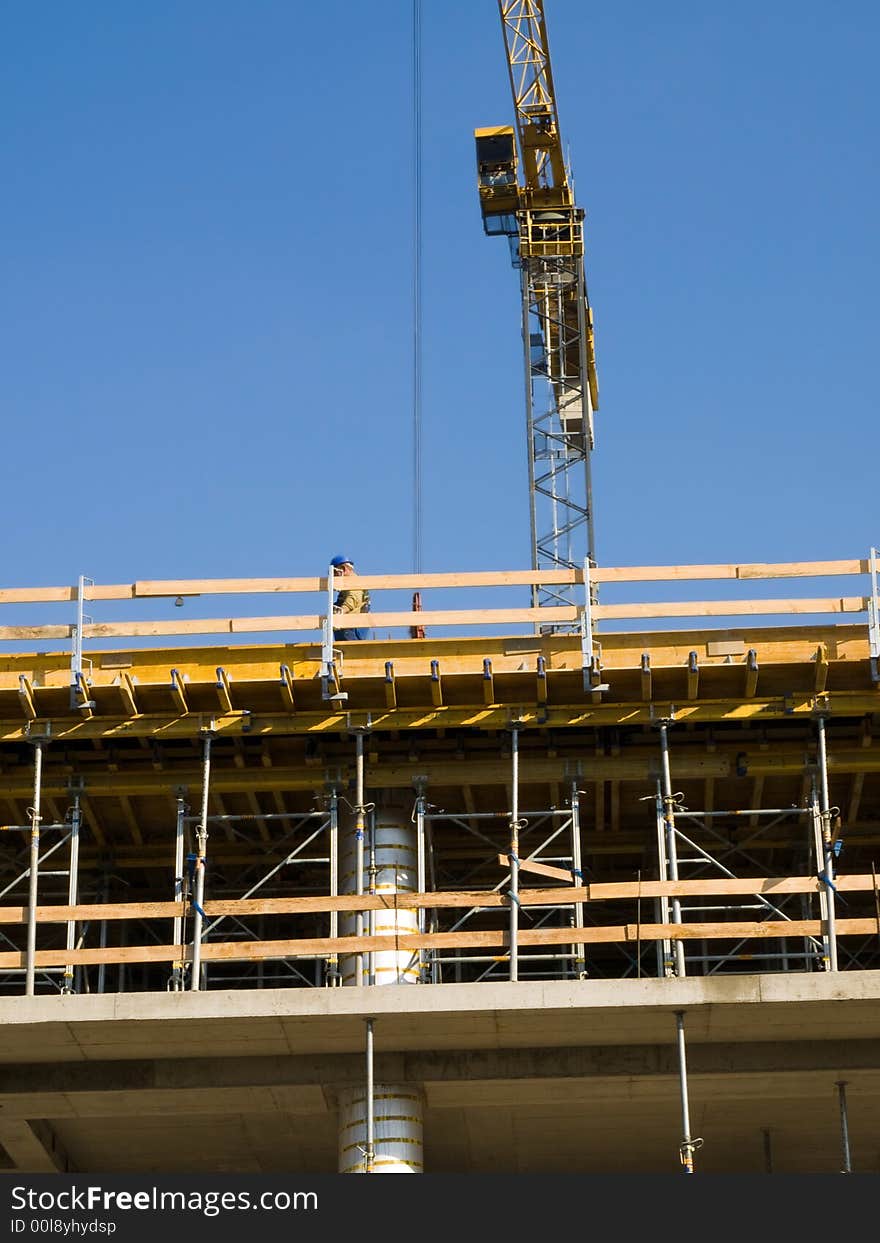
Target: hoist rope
(417, 283)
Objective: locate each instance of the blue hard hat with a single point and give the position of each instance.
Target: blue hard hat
(342, 561)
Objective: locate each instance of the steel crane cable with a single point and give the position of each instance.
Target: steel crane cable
(417, 283)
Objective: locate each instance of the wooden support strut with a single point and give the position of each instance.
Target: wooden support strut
(541, 680)
(125, 686)
(751, 685)
(223, 692)
(177, 692)
(390, 685)
(285, 683)
(26, 697)
(821, 668)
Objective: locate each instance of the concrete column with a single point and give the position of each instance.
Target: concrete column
(390, 869)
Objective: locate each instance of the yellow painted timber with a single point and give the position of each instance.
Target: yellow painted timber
(183, 722)
(288, 698)
(127, 695)
(821, 678)
(223, 692)
(26, 697)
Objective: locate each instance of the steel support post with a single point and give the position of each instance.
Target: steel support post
(768, 1151)
(200, 864)
(332, 969)
(369, 1104)
(578, 951)
(665, 964)
(827, 855)
(72, 889)
(31, 956)
(359, 820)
(671, 850)
(371, 920)
(514, 854)
(179, 966)
(844, 1127)
(421, 871)
(688, 1144)
(102, 934)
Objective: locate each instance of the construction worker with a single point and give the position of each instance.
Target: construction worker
(349, 601)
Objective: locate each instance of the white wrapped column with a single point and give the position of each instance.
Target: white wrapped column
(397, 1129)
(397, 1107)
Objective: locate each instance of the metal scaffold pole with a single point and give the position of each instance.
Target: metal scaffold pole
(578, 951)
(688, 1144)
(178, 967)
(199, 868)
(844, 1127)
(30, 959)
(72, 889)
(514, 854)
(332, 968)
(421, 869)
(369, 1105)
(359, 853)
(827, 855)
(668, 800)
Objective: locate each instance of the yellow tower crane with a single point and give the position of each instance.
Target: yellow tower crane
(529, 199)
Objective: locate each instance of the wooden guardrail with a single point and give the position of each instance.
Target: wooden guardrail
(318, 947)
(312, 622)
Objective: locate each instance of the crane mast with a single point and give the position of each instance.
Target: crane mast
(526, 195)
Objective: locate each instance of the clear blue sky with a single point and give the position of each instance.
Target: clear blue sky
(207, 266)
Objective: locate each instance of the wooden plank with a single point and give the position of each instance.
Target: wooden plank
(36, 595)
(35, 632)
(170, 588)
(447, 899)
(777, 569)
(371, 582)
(542, 869)
(205, 625)
(458, 617)
(151, 588)
(323, 946)
(731, 608)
